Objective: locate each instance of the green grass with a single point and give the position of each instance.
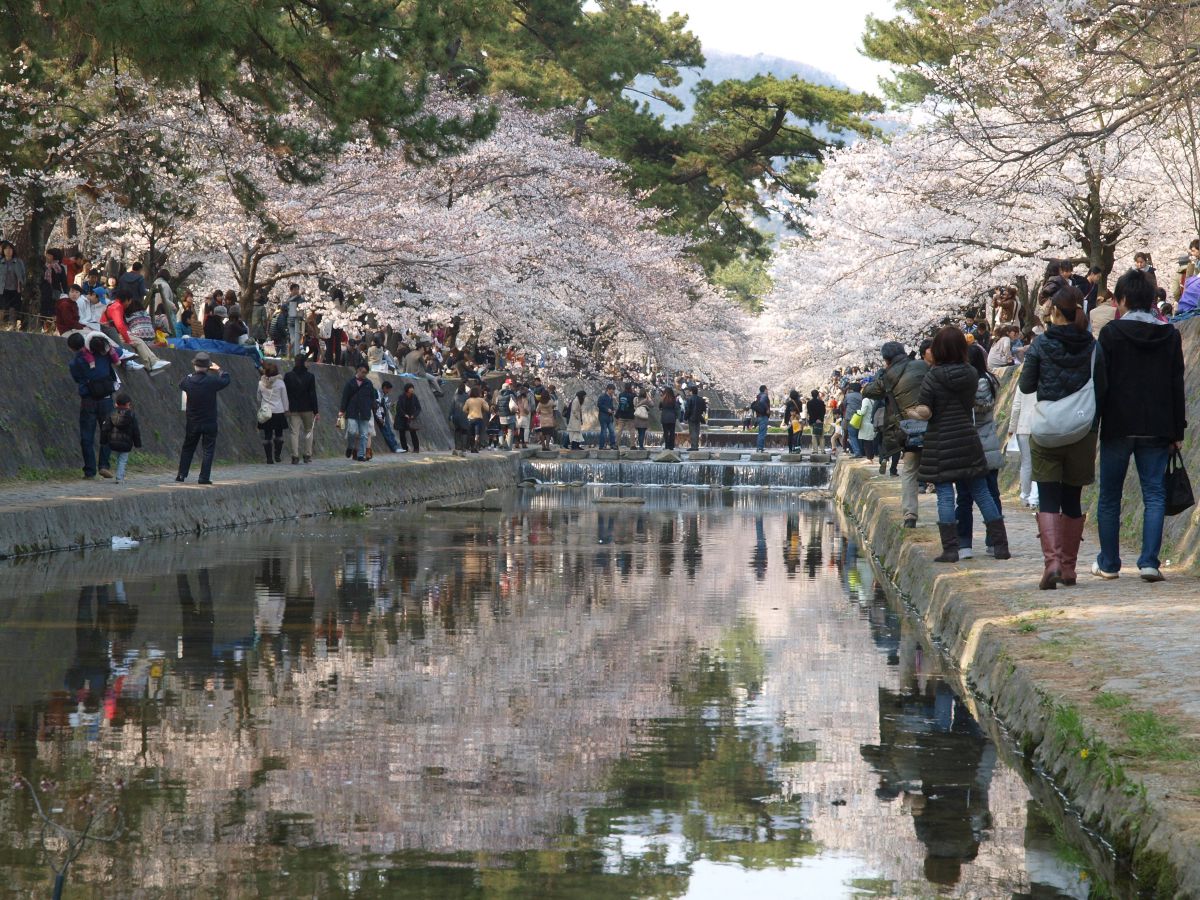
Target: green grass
(1149, 736)
(1108, 700)
(356, 511)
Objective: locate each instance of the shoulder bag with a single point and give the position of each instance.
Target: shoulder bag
(1059, 423)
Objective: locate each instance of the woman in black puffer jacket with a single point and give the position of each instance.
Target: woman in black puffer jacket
(1059, 363)
(952, 451)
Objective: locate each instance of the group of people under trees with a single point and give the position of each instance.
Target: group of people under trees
(1106, 380)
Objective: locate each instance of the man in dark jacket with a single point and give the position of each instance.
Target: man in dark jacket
(95, 384)
(357, 406)
(761, 407)
(606, 406)
(301, 387)
(815, 410)
(201, 388)
(626, 404)
(693, 411)
(1142, 415)
(899, 389)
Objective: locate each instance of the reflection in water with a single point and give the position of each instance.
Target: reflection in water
(564, 699)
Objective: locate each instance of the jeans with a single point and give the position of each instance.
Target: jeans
(122, 461)
(181, 330)
(694, 435)
(478, 426)
(607, 433)
(910, 464)
(293, 338)
(1150, 455)
(360, 428)
(301, 423)
(90, 413)
(389, 436)
(193, 435)
(641, 438)
(763, 423)
(966, 521)
(977, 488)
(852, 436)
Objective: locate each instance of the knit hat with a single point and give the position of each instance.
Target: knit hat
(891, 350)
(220, 311)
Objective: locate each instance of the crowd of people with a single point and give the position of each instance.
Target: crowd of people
(1100, 375)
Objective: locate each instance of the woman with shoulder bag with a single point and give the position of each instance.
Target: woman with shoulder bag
(986, 391)
(272, 411)
(641, 417)
(951, 450)
(1065, 368)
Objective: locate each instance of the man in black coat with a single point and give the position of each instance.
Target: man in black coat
(357, 407)
(301, 386)
(201, 388)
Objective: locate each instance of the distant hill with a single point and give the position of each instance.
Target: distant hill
(723, 66)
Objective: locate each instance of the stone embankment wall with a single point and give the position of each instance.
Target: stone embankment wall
(39, 409)
(1034, 658)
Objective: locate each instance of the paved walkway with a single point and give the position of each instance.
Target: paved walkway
(1123, 653)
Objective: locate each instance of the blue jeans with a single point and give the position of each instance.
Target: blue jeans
(977, 488)
(607, 432)
(389, 436)
(181, 330)
(122, 460)
(966, 523)
(763, 423)
(362, 429)
(90, 414)
(1150, 455)
(852, 435)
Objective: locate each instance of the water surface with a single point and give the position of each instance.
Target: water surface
(702, 696)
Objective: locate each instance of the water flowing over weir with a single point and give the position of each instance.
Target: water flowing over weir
(705, 474)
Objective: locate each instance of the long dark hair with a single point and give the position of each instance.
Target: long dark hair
(949, 346)
(977, 359)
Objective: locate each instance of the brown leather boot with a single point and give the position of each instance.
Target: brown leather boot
(949, 535)
(1048, 532)
(1070, 536)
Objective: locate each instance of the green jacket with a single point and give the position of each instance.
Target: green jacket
(899, 387)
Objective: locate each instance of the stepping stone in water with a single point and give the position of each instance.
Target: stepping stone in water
(547, 454)
(607, 454)
(573, 454)
(635, 454)
(699, 456)
(668, 456)
(791, 457)
(760, 457)
(731, 455)
(819, 458)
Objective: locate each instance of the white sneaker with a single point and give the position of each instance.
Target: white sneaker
(130, 364)
(966, 553)
(161, 364)
(397, 450)
(1150, 574)
(1107, 576)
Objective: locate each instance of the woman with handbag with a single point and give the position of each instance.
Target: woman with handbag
(272, 411)
(1065, 368)
(951, 451)
(641, 417)
(408, 411)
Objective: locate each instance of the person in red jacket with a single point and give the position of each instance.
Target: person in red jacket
(112, 323)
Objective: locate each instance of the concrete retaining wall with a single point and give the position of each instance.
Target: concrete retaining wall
(39, 409)
(86, 520)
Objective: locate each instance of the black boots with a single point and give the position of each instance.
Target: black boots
(997, 536)
(278, 449)
(949, 534)
(267, 450)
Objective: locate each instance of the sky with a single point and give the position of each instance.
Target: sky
(821, 33)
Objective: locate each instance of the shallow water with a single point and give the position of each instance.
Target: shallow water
(702, 696)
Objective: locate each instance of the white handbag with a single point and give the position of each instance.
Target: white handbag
(1058, 423)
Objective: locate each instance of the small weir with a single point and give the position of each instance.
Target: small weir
(701, 474)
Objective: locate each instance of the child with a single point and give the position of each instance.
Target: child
(119, 432)
(493, 430)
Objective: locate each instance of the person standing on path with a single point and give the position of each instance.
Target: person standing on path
(952, 451)
(200, 390)
(668, 409)
(626, 403)
(408, 416)
(294, 301)
(477, 411)
(95, 379)
(815, 410)
(272, 401)
(899, 388)
(301, 387)
(12, 283)
(606, 406)
(853, 403)
(1063, 361)
(693, 411)
(1143, 415)
(761, 407)
(356, 408)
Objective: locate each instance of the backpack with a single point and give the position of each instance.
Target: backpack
(1058, 423)
(624, 402)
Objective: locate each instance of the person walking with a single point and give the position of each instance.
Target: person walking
(952, 451)
(693, 412)
(1143, 415)
(408, 413)
(301, 387)
(459, 421)
(546, 416)
(850, 408)
(899, 389)
(356, 408)
(1020, 422)
(986, 390)
(668, 410)
(200, 390)
(1062, 361)
(761, 407)
(477, 411)
(120, 432)
(866, 431)
(272, 411)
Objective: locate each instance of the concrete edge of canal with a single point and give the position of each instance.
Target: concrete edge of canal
(70, 522)
(1152, 830)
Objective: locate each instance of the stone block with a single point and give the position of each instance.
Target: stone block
(731, 455)
(819, 458)
(547, 454)
(635, 454)
(668, 456)
(607, 454)
(573, 454)
(527, 453)
(760, 457)
(699, 455)
(791, 457)
(493, 500)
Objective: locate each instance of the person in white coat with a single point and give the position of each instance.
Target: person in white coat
(272, 411)
(1020, 422)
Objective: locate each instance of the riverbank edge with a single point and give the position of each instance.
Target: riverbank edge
(975, 630)
(173, 509)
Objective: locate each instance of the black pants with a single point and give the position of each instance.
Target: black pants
(206, 436)
(669, 435)
(401, 431)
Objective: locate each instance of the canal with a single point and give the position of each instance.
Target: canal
(697, 693)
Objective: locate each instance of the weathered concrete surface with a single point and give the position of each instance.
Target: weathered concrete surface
(1078, 674)
(39, 410)
(64, 516)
